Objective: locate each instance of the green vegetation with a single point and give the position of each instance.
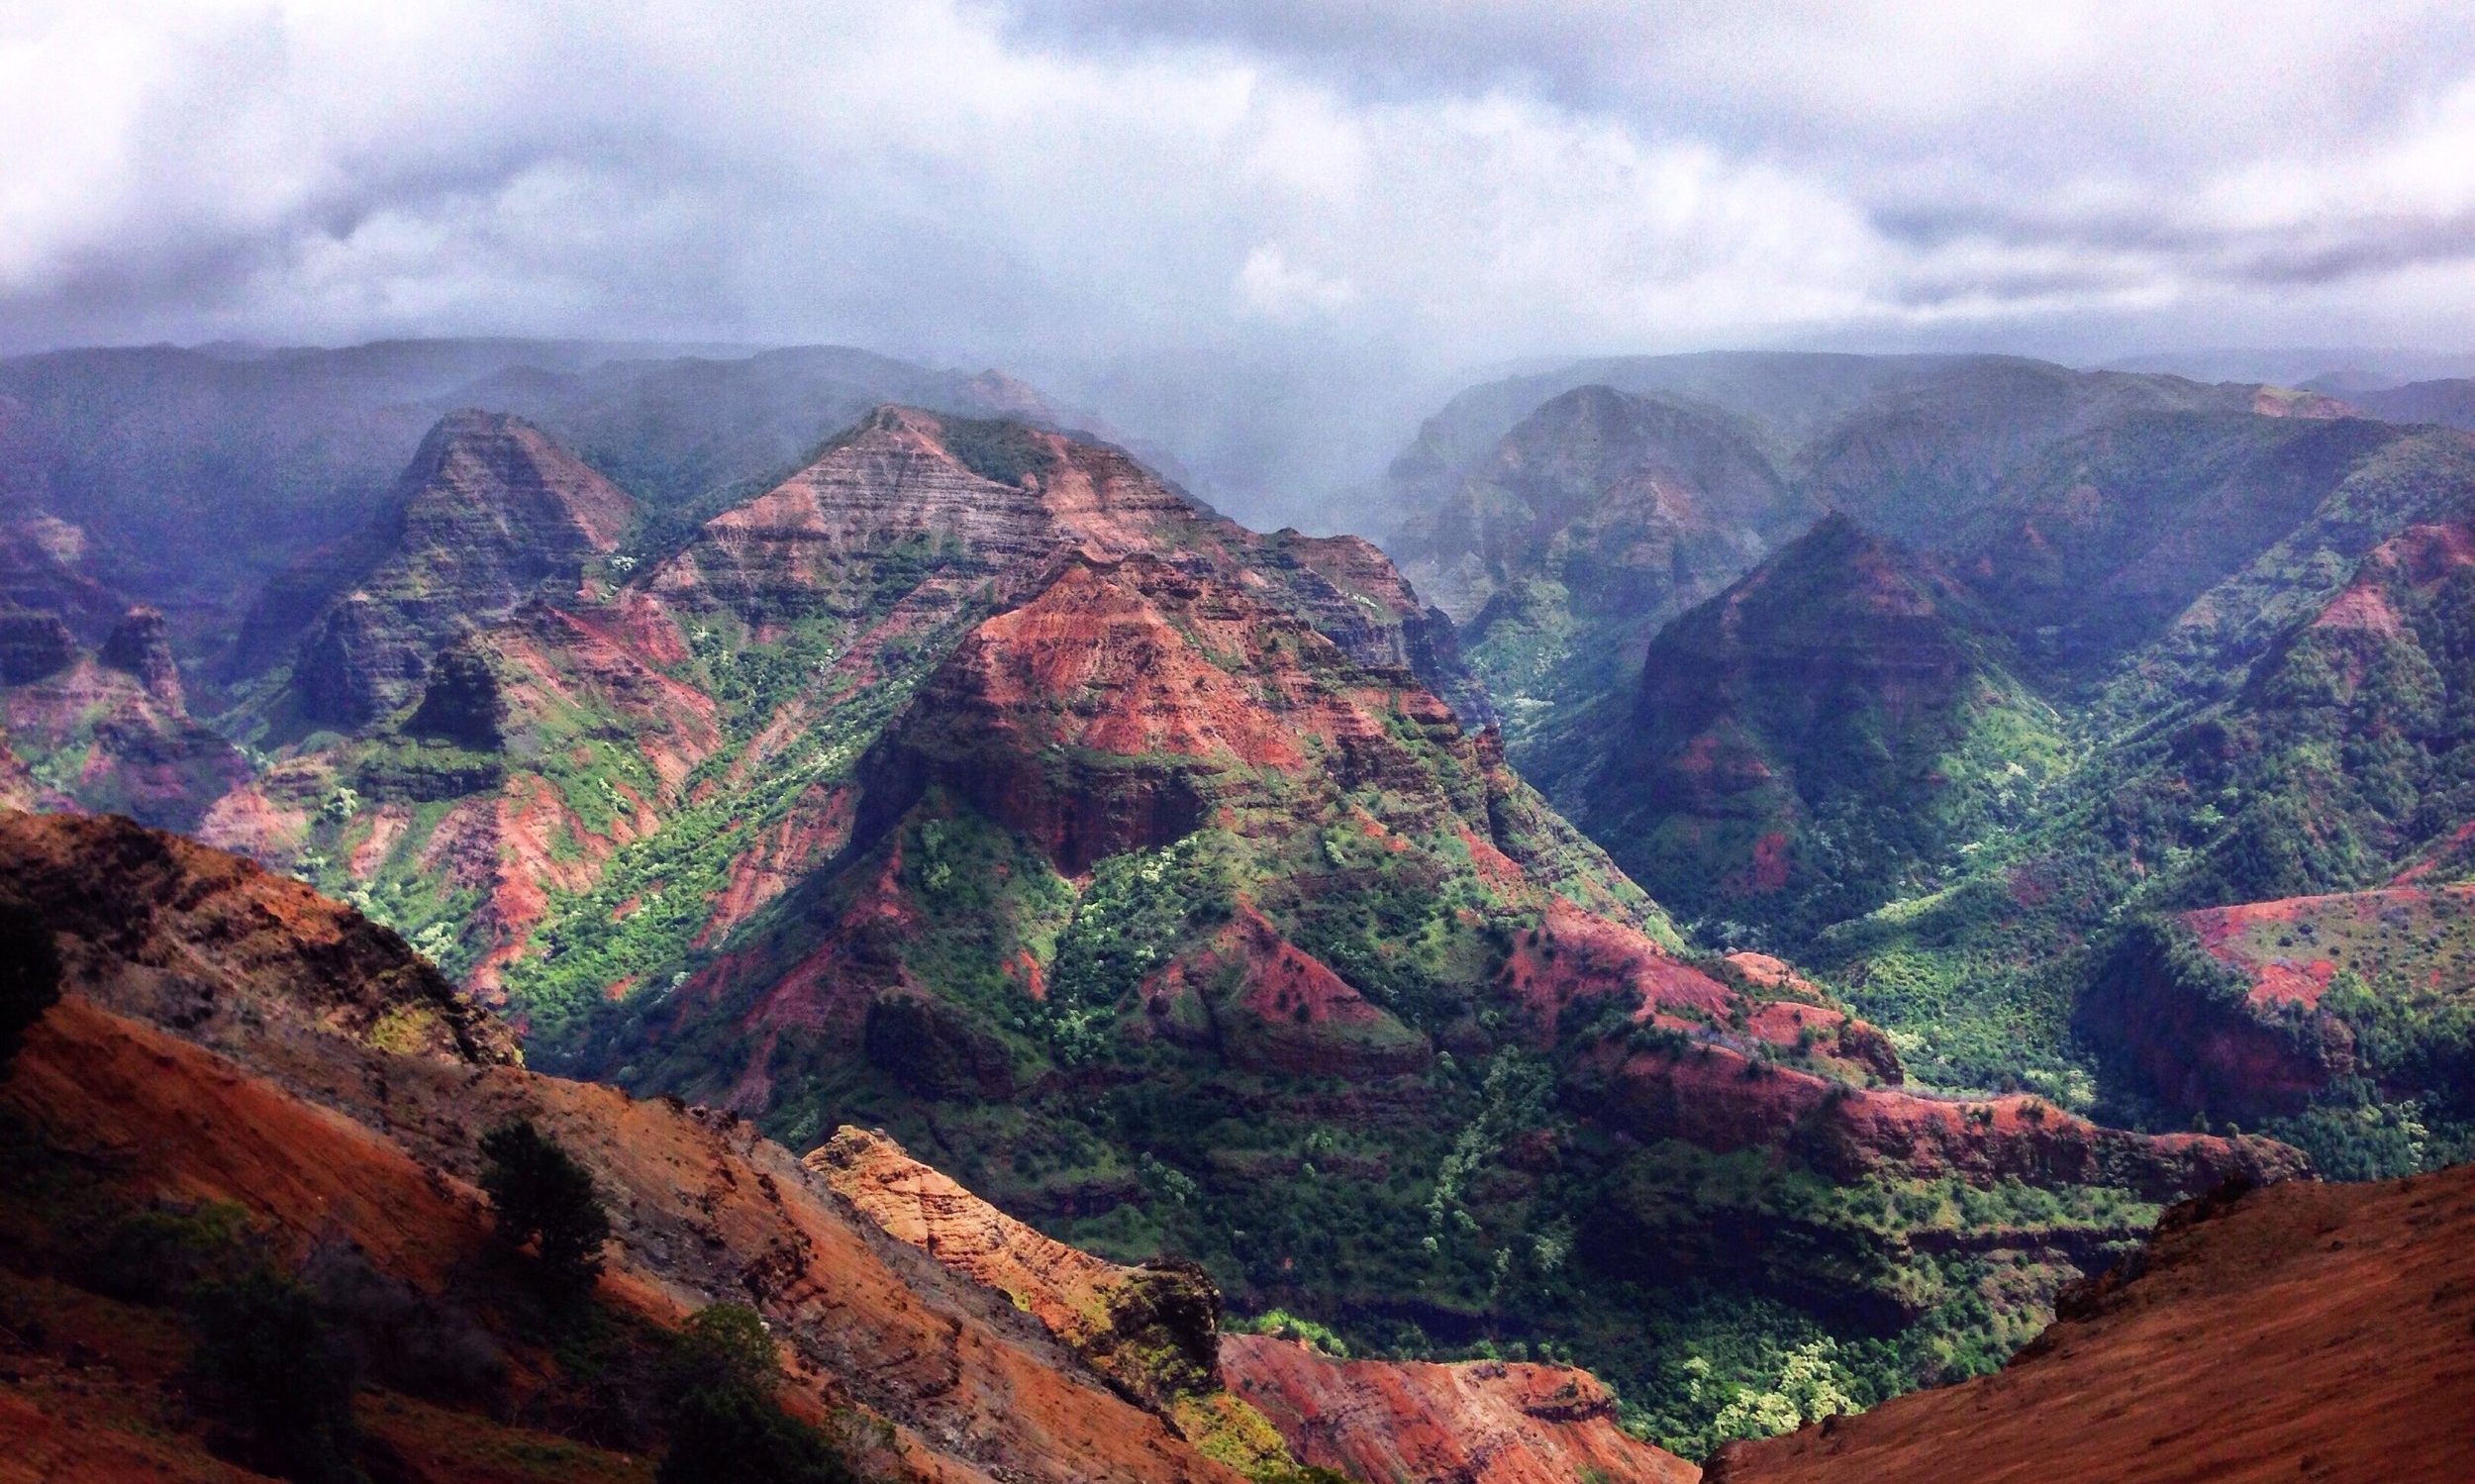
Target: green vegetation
(1843, 730)
(1280, 1323)
(542, 1198)
(275, 1373)
(1138, 911)
(727, 1426)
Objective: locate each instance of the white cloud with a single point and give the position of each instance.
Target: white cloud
(1461, 181)
(1268, 285)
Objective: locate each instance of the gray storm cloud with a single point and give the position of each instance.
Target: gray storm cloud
(1468, 180)
(1343, 187)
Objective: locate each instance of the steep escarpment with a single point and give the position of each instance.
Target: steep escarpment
(345, 1148)
(2306, 966)
(43, 571)
(2096, 546)
(2346, 1020)
(2303, 1330)
(220, 949)
(727, 695)
(1152, 1330)
(2147, 647)
(1563, 518)
(235, 491)
(1492, 1421)
(490, 512)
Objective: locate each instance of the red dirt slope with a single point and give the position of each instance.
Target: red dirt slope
(2300, 1331)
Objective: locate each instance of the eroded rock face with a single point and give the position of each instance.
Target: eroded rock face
(987, 511)
(461, 702)
(33, 645)
(1131, 700)
(142, 646)
(1154, 1329)
(112, 744)
(40, 572)
(489, 514)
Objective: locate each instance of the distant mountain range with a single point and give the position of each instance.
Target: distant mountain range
(2073, 661)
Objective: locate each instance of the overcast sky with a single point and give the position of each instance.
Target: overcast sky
(1439, 184)
(1482, 179)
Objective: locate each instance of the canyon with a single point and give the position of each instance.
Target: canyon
(1851, 843)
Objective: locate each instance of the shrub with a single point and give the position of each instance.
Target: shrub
(726, 1426)
(542, 1196)
(29, 976)
(267, 1366)
(162, 1253)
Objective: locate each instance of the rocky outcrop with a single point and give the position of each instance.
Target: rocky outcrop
(951, 508)
(32, 647)
(1721, 1097)
(2187, 1021)
(109, 743)
(140, 646)
(1133, 700)
(461, 704)
(2299, 1332)
(1487, 1422)
(220, 949)
(961, 502)
(1151, 1328)
(2221, 1010)
(490, 513)
(42, 571)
